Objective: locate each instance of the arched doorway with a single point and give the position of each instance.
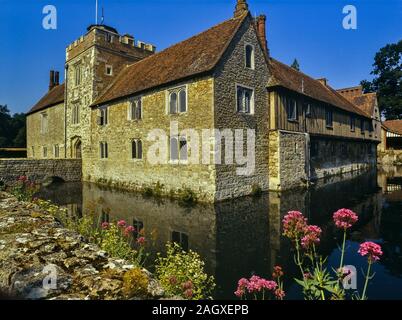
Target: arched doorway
(77, 153)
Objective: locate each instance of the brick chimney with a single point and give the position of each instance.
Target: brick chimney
(351, 93)
(241, 8)
(51, 80)
(323, 81)
(262, 33)
(57, 78)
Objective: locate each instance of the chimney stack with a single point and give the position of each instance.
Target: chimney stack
(323, 81)
(57, 78)
(261, 30)
(241, 8)
(51, 80)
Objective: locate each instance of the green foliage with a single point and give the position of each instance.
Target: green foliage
(12, 129)
(135, 284)
(387, 80)
(182, 274)
(24, 189)
(156, 191)
(187, 196)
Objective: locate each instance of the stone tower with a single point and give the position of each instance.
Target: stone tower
(92, 63)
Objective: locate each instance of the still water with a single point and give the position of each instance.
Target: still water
(243, 237)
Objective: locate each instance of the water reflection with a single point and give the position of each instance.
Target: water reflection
(240, 237)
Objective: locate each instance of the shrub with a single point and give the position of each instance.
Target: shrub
(182, 274)
(187, 196)
(24, 189)
(256, 190)
(135, 284)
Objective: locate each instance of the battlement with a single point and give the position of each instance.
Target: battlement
(108, 38)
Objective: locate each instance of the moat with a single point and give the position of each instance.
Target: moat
(243, 237)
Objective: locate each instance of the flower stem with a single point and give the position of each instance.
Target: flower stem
(343, 250)
(367, 280)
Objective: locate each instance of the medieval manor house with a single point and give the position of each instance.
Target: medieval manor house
(117, 90)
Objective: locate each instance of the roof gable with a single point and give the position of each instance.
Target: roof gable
(196, 55)
(50, 99)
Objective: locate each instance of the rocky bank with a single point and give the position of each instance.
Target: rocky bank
(35, 247)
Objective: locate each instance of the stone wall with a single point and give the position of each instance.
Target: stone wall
(36, 140)
(121, 170)
(390, 157)
(40, 170)
(336, 156)
(231, 72)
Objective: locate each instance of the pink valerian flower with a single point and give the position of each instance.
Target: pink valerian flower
(280, 294)
(129, 230)
(256, 284)
(345, 218)
(141, 241)
(239, 293)
(241, 287)
(311, 237)
(122, 223)
(173, 280)
(105, 225)
(371, 250)
(307, 276)
(189, 293)
(23, 178)
(188, 285)
(294, 225)
(278, 272)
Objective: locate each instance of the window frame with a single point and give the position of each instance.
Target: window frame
(103, 150)
(246, 45)
(103, 114)
(56, 151)
(295, 108)
(362, 126)
(134, 103)
(111, 70)
(77, 74)
(352, 123)
(75, 114)
(252, 101)
(177, 91)
(330, 112)
(136, 141)
(44, 122)
(179, 159)
(44, 152)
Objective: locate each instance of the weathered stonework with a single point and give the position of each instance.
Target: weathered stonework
(38, 140)
(40, 170)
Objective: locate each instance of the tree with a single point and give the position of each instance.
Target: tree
(295, 65)
(387, 80)
(12, 129)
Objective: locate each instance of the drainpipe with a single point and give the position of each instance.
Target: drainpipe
(65, 109)
(307, 155)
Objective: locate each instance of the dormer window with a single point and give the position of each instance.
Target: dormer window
(109, 70)
(249, 53)
(109, 38)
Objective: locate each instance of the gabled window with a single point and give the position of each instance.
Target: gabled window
(245, 100)
(136, 149)
(291, 109)
(75, 115)
(103, 118)
(43, 123)
(352, 123)
(103, 150)
(178, 149)
(135, 110)
(178, 100)
(249, 56)
(329, 118)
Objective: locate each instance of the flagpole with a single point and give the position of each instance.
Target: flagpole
(96, 13)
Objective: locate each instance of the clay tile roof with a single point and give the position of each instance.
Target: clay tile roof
(394, 126)
(194, 56)
(287, 77)
(53, 97)
(366, 102)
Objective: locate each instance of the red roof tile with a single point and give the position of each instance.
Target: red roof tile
(394, 126)
(196, 55)
(52, 98)
(287, 77)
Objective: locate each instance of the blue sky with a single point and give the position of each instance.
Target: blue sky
(310, 31)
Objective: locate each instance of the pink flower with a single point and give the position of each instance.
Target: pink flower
(294, 225)
(105, 225)
(307, 276)
(122, 223)
(345, 218)
(312, 237)
(256, 284)
(239, 293)
(23, 178)
(129, 230)
(371, 250)
(280, 294)
(278, 272)
(173, 280)
(187, 285)
(141, 241)
(188, 293)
